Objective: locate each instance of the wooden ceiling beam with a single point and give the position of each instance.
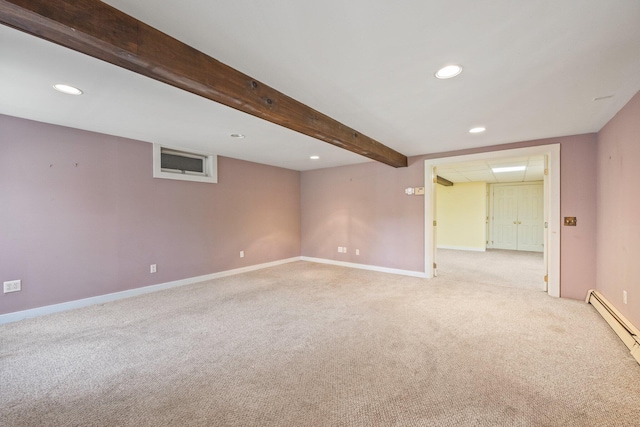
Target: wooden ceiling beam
(96, 29)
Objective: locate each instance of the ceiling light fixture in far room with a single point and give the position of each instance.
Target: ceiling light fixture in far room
(237, 135)
(478, 129)
(314, 157)
(509, 169)
(69, 90)
(448, 71)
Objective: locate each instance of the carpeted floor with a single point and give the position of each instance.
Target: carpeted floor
(307, 344)
(514, 269)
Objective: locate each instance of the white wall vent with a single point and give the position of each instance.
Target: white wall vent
(184, 165)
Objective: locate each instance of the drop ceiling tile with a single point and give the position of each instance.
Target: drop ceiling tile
(515, 161)
(445, 169)
(478, 176)
(472, 168)
(536, 163)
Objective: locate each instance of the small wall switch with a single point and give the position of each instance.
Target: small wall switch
(419, 191)
(624, 297)
(340, 249)
(153, 268)
(344, 250)
(241, 254)
(357, 251)
(12, 286)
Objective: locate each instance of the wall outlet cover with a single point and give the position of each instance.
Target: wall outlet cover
(12, 286)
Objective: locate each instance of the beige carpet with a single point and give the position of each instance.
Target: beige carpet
(306, 344)
(515, 269)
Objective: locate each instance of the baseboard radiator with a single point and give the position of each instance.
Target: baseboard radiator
(628, 333)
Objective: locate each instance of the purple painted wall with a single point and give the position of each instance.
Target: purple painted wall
(71, 232)
(618, 232)
(578, 198)
(364, 206)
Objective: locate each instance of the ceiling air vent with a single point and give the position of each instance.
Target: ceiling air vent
(184, 165)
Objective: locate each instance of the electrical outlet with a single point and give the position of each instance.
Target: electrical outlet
(357, 251)
(340, 249)
(624, 297)
(12, 286)
(153, 268)
(344, 250)
(241, 254)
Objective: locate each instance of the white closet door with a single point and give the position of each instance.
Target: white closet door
(531, 218)
(505, 217)
(518, 217)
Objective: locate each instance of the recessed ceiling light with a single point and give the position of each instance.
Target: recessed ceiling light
(237, 135)
(315, 157)
(478, 129)
(69, 90)
(509, 169)
(448, 71)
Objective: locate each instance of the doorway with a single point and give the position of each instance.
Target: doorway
(551, 197)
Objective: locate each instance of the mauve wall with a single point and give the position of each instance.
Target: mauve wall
(578, 198)
(364, 206)
(619, 210)
(74, 232)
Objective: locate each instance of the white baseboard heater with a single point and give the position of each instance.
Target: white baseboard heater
(628, 333)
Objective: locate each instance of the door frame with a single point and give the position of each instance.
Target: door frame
(551, 201)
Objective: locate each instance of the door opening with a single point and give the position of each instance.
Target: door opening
(551, 208)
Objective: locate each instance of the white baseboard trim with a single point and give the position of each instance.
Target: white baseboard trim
(628, 333)
(411, 273)
(462, 248)
(101, 299)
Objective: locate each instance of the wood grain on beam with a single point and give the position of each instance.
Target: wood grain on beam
(101, 31)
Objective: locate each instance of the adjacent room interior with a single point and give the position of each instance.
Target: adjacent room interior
(491, 225)
(276, 213)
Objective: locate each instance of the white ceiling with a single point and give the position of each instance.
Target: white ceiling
(481, 170)
(531, 70)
